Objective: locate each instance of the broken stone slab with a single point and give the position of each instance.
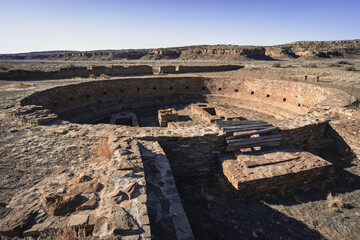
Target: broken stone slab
(118, 221)
(16, 222)
(78, 220)
(90, 204)
(85, 188)
(57, 204)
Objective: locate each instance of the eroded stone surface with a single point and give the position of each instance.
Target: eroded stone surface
(75, 195)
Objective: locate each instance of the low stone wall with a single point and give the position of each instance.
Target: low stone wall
(278, 183)
(192, 69)
(167, 216)
(167, 69)
(77, 72)
(191, 155)
(270, 171)
(344, 129)
(206, 112)
(303, 135)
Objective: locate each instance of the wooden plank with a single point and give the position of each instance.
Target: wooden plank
(245, 129)
(267, 130)
(275, 136)
(238, 123)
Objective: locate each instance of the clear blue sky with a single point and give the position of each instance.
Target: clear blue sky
(40, 25)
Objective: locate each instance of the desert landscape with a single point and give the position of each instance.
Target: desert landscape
(199, 142)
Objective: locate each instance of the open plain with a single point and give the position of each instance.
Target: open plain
(206, 142)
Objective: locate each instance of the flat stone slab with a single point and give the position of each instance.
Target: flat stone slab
(272, 170)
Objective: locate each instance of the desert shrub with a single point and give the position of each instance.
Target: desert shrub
(102, 152)
(351, 68)
(92, 76)
(69, 233)
(276, 65)
(334, 202)
(334, 65)
(344, 62)
(104, 76)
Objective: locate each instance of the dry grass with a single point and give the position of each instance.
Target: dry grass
(334, 202)
(69, 233)
(92, 76)
(102, 152)
(19, 85)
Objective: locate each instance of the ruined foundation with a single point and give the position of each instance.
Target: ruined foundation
(197, 127)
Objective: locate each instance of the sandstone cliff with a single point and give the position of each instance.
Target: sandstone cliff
(310, 49)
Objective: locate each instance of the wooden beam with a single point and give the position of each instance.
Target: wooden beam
(266, 130)
(245, 129)
(241, 140)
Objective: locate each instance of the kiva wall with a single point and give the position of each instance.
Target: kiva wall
(109, 96)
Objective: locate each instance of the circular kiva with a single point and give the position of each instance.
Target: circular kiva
(88, 101)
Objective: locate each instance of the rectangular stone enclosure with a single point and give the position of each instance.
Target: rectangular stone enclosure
(274, 170)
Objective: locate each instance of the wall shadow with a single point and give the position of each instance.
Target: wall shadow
(214, 212)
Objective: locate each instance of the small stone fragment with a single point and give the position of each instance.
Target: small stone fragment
(78, 220)
(90, 204)
(130, 189)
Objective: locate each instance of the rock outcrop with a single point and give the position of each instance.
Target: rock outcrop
(309, 49)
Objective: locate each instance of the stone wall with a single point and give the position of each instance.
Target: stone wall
(110, 96)
(192, 69)
(77, 72)
(278, 183)
(344, 129)
(304, 134)
(273, 170)
(71, 72)
(167, 216)
(191, 155)
(167, 69)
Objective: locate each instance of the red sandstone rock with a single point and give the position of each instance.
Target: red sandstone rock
(57, 204)
(90, 204)
(85, 188)
(14, 224)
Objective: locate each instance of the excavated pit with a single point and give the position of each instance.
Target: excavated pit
(193, 142)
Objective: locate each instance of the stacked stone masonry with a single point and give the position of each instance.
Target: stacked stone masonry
(273, 171)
